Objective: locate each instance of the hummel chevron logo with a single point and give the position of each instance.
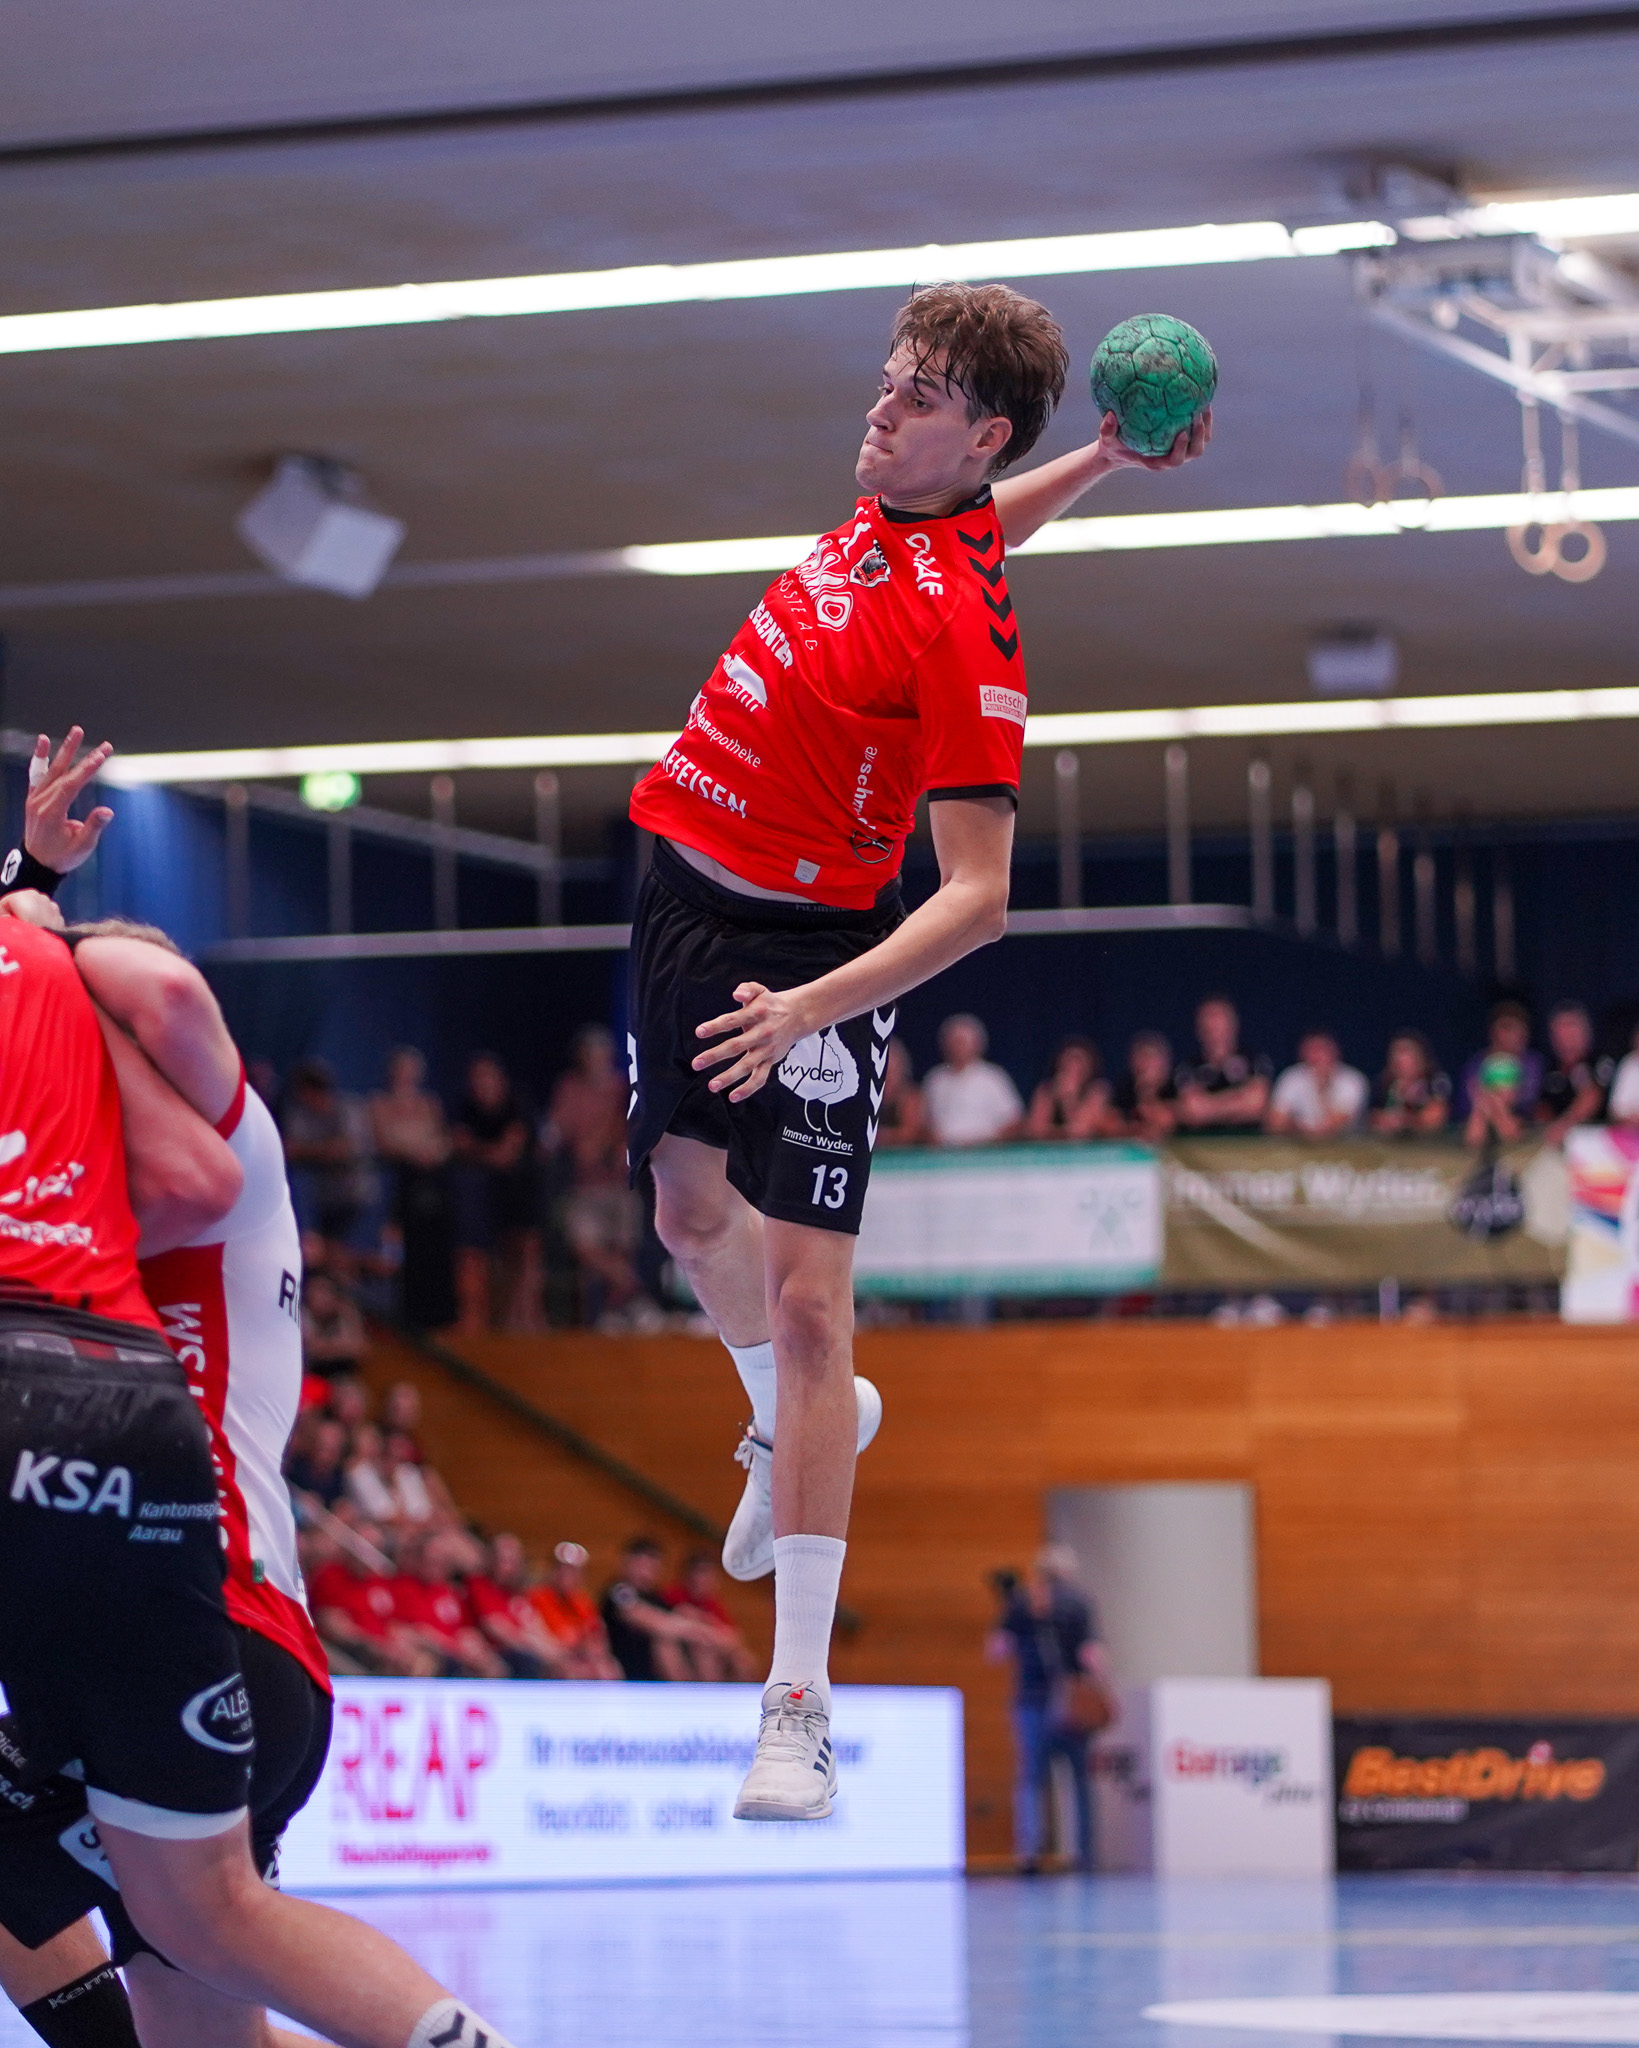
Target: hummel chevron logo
(876, 1096)
(1009, 644)
(981, 545)
(455, 2033)
(991, 573)
(879, 1057)
(1001, 606)
(870, 1134)
(881, 1025)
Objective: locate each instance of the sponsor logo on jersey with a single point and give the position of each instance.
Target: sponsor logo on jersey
(826, 581)
(995, 702)
(219, 1717)
(39, 1187)
(80, 1487)
(862, 782)
(871, 568)
(12, 1146)
(745, 683)
(9, 965)
(929, 576)
(767, 629)
(13, 867)
(688, 775)
(871, 847)
(699, 722)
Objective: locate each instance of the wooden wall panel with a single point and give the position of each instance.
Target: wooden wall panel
(1448, 1518)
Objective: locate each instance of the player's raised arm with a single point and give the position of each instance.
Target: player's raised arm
(166, 1004)
(1026, 503)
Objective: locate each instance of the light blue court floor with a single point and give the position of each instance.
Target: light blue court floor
(1046, 1963)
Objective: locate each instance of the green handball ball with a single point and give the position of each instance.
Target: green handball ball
(1156, 374)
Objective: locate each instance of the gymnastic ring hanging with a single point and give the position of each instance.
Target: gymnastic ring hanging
(1581, 568)
(1541, 560)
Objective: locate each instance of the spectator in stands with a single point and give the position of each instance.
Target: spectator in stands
(1074, 1100)
(495, 1200)
(571, 1615)
(1320, 1097)
(334, 1339)
(1624, 1102)
(317, 1462)
(401, 1414)
(969, 1099)
(1411, 1097)
(1225, 1090)
(350, 1404)
(369, 1486)
(1047, 1632)
(430, 1605)
(327, 1145)
(1576, 1080)
(648, 1639)
(412, 1138)
(602, 1217)
(721, 1654)
(1502, 1082)
(1145, 1102)
(499, 1606)
(420, 1497)
(903, 1118)
(354, 1606)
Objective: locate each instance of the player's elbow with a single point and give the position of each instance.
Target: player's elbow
(176, 1008)
(179, 1193)
(990, 916)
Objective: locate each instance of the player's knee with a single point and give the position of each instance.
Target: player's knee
(690, 1223)
(200, 1927)
(810, 1326)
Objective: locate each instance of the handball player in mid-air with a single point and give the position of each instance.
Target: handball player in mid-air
(770, 944)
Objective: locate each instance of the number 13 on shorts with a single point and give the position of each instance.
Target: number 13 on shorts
(830, 1186)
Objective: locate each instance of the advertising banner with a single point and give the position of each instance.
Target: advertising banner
(436, 1782)
(1602, 1258)
(1498, 1795)
(1011, 1219)
(1270, 1212)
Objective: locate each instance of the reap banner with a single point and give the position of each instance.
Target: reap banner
(1272, 1212)
(1498, 1795)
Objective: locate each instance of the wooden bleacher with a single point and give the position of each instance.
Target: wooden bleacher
(1448, 1517)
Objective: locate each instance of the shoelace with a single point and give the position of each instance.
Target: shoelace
(745, 1451)
(792, 1732)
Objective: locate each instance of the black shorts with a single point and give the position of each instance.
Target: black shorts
(52, 1867)
(800, 1148)
(115, 1649)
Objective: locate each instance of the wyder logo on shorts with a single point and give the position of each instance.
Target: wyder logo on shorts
(819, 1069)
(219, 1717)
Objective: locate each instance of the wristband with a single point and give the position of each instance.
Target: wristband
(20, 870)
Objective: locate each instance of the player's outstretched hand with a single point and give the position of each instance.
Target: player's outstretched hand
(765, 1028)
(1184, 449)
(49, 833)
(31, 907)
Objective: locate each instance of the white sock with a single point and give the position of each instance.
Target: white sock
(807, 1573)
(755, 1365)
(450, 2024)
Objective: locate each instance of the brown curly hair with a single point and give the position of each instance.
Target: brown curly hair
(1005, 354)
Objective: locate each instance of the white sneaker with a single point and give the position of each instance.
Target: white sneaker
(794, 1774)
(748, 1548)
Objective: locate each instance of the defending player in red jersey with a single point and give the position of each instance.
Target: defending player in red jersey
(769, 943)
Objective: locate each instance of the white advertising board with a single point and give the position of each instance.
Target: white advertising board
(1011, 1219)
(434, 1782)
(1601, 1283)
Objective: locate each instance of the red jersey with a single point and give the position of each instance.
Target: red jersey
(884, 665)
(230, 1305)
(66, 1229)
(439, 1609)
(486, 1598)
(368, 1603)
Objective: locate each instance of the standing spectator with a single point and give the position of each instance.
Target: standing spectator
(327, 1145)
(317, 1464)
(334, 1340)
(969, 1099)
(1145, 1102)
(1412, 1097)
(1074, 1100)
(903, 1118)
(1576, 1080)
(412, 1137)
(1047, 1632)
(495, 1186)
(571, 1616)
(1320, 1097)
(723, 1654)
(499, 1606)
(1226, 1090)
(1502, 1082)
(354, 1606)
(1624, 1103)
(431, 1607)
(586, 1122)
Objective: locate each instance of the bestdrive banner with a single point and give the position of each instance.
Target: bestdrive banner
(1268, 1212)
(1499, 1795)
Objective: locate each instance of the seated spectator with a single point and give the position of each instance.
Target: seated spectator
(1225, 1090)
(571, 1616)
(722, 1655)
(1074, 1100)
(317, 1461)
(1145, 1102)
(496, 1194)
(646, 1637)
(430, 1605)
(969, 1099)
(354, 1606)
(1576, 1080)
(327, 1145)
(1624, 1103)
(903, 1118)
(1411, 1098)
(401, 1413)
(1320, 1097)
(1501, 1083)
(586, 1122)
(420, 1497)
(499, 1605)
(369, 1485)
(334, 1339)
(350, 1404)
(412, 1140)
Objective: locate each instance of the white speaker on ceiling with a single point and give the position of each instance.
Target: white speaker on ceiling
(308, 526)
